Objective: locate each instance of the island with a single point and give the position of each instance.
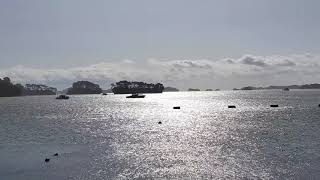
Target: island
(84, 87)
(192, 89)
(126, 87)
(305, 86)
(8, 89)
(170, 89)
(38, 89)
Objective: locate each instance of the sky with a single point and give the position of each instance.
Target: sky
(181, 43)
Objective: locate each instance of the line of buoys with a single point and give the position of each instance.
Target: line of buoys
(233, 106)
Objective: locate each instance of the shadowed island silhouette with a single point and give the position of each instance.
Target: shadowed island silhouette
(8, 89)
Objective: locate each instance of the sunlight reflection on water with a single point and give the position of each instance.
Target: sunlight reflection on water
(203, 139)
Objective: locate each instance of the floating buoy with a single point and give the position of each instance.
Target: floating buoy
(47, 160)
(319, 105)
(159, 122)
(176, 107)
(274, 105)
(231, 106)
(56, 154)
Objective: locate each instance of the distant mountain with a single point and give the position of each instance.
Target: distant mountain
(191, 89)
(170, 89)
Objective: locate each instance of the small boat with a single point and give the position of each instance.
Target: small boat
(62, 97)
(136, 96)
(104, 94)
(286, 89)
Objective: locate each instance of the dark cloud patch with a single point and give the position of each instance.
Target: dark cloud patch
(249, 60)
(229, 61)
(191, 64)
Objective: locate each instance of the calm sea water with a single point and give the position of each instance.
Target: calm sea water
(111, 137)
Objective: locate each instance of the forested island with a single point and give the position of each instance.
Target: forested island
(305, 86)
(192, 89)
(170, 89)
(84, 87)
(8, 89)
(126, 87)
(38, 89)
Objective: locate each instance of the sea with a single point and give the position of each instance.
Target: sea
(112, 137)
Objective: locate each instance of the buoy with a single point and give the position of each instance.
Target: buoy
(176, 107)
(274, 105)
(47, 160)
(319, 105)
(231, 106)
(159, 122)
(56, 154)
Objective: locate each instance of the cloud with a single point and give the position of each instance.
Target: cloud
(252, 60)
(202, 73)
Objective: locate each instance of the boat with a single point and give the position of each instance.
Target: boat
(104, 94)
(136, 95)
(286, 89)
(62, 97)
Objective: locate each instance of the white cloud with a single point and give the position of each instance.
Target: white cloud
(202, 73)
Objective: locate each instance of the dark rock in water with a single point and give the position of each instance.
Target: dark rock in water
(47, 160)
(274, 105)
(159, 122)
(56, 154)
(231, 106)
(176, 107)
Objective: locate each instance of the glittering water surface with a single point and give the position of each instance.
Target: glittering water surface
(111, 137)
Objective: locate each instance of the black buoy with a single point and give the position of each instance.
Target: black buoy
(319, 105)
(274, 105)
(176, 107)
(159, 122)
(56, 154)
(231, 106)
(47, 160)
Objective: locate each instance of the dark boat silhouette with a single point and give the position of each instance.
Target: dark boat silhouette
(286, 89)
(136, 95)
(104, 94)
(62, 97)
